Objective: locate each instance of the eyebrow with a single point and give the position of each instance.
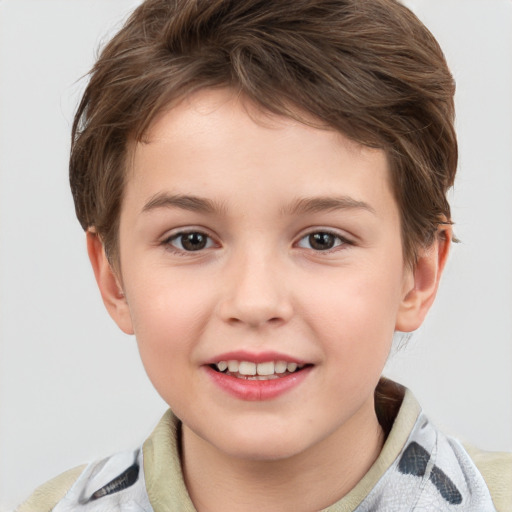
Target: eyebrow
(320, 204)
(300, 206)
(185, 202)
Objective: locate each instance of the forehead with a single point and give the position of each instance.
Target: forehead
(214, 135)
(208, 110)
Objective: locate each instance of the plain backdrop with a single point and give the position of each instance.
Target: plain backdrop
(71, 385)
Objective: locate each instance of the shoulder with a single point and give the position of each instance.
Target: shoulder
(444, 473)
(496, 469)
(45, 497)
(121, 481)
(114, 483)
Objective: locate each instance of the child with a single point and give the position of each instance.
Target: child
(263, 186)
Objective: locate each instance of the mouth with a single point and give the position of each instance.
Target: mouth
(267, 370)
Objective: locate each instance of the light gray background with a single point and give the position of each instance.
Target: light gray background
(71, 385)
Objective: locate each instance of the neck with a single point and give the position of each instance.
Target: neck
(217, 481)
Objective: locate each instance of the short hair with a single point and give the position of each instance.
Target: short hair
(366, 68)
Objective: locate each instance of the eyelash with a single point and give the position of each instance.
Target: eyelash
(339, 241)
(180, 236)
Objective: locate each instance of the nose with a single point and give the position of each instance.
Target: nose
(255, 292)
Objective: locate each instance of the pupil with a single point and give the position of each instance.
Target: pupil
(193, 241)
(321, 241)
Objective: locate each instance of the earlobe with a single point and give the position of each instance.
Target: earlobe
(108, 283)
(423, 281)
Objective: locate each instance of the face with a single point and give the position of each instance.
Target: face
(262, 272)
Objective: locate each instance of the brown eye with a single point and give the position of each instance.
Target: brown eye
(191, 241)
(321, 241)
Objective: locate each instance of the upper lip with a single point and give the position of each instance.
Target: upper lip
(254, 357)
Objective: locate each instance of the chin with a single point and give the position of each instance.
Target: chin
(260, 446)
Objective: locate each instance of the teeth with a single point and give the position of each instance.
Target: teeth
(280, 366)
(291, 367)
(246, 368)
(253, 371)
(265, 368)
(233, 366)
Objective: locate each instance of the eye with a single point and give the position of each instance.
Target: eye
(321, 241)
(190, 241)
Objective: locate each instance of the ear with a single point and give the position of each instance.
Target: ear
(422, 281)
(108, 283)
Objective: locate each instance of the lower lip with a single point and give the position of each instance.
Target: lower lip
(257, 390)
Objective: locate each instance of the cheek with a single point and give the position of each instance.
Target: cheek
(167, 316)
(354, 316)
(165, 304)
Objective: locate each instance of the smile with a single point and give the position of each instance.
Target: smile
(248, 370)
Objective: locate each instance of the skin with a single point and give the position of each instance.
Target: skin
(260, 285)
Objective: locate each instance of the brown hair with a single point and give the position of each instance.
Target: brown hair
(368, 68)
